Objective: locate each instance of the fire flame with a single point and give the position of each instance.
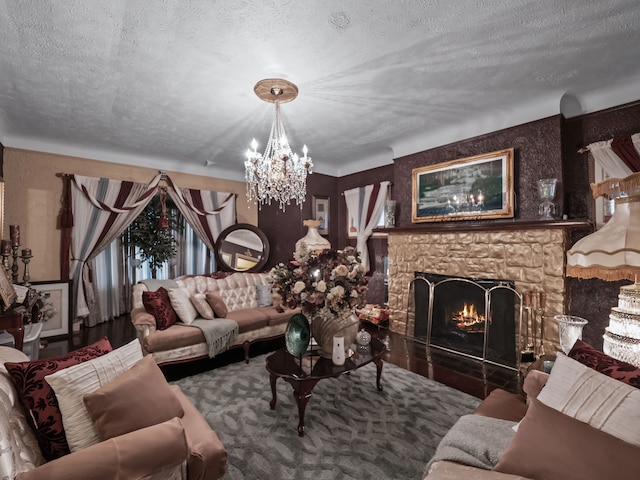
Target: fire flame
(468, 318)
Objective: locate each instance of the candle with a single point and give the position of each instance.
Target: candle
(26, 252)
(5, 247)
(14, 233)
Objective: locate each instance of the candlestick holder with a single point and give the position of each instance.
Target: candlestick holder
(5, 262)
(14, 266)
(26, 259)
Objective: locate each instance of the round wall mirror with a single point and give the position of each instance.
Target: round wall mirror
(242, 248)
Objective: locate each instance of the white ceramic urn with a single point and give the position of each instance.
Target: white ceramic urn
(311, 242)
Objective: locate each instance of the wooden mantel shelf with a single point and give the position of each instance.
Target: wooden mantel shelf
(488, 226)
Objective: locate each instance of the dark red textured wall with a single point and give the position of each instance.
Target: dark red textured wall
(537, 155)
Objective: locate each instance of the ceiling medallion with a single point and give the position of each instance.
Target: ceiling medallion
(278, 174)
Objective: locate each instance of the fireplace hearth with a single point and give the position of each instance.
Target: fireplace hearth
(471, 317)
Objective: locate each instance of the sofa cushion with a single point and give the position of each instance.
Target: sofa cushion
(181, 303)
(263, 294)
(158, 304)
(138, 398)
(550, 445)
(72, 383)
(249, 319)
(175, 337)
(199, 301)
(589, 396)
(603, 363)
(217, 304)
(39, 400)
(276, 318)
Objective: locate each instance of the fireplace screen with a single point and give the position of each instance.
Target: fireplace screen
(472, 317)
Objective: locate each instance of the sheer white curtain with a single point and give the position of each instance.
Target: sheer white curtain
(619, 157)
(109, 273)
(208, 213)
(102, 209)
(365, 204)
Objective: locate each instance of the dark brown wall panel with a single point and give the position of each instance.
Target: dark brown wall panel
(537, 149)
(284, 229)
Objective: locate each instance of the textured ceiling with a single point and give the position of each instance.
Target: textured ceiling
(169, 84)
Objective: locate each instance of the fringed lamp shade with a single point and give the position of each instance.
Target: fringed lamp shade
(613, 252)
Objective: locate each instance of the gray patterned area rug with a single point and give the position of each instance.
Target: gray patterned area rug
(352, 430)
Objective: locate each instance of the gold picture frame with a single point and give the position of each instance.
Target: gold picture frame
(471, 188)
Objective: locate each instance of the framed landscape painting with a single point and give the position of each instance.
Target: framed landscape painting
(472, 188)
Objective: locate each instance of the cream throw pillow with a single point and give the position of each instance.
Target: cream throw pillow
(202, 306)
(591, 397)
(72, 383)
(181, 303)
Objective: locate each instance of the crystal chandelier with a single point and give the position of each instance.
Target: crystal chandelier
(278, 174)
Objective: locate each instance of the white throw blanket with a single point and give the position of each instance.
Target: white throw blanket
(217, 333)
(476, 441)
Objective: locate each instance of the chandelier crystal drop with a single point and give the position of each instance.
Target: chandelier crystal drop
(278, 174)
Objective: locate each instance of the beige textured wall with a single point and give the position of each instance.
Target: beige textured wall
(534, 259)
(33, 199)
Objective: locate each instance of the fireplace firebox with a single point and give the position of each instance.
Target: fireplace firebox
(468, 316)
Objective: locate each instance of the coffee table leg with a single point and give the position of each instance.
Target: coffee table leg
(378, 374)
(302, 394)
(274, 397)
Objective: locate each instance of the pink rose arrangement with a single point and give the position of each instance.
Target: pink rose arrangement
(333, 279)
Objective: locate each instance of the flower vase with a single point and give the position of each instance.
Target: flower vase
(569, 330)
(326, 325)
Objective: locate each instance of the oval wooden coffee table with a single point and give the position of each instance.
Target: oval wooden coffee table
(304, 376)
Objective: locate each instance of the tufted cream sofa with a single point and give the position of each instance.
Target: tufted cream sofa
(180, 343)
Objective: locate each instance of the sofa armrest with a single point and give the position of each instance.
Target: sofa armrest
(446, 470)
(533, 383)
(207, 455)
(132, 455)
(141, 318)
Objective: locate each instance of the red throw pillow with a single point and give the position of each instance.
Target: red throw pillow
(39, 400)
(158, 304)
(603, 363)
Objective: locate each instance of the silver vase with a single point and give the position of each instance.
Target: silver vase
(326, 325)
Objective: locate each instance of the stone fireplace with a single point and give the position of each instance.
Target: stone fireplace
(472, 317)
(531, 254)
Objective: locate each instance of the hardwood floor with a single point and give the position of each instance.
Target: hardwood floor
(463, 374)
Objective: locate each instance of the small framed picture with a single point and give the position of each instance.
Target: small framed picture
(7, 292)
(321, 212)
(55, 308)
